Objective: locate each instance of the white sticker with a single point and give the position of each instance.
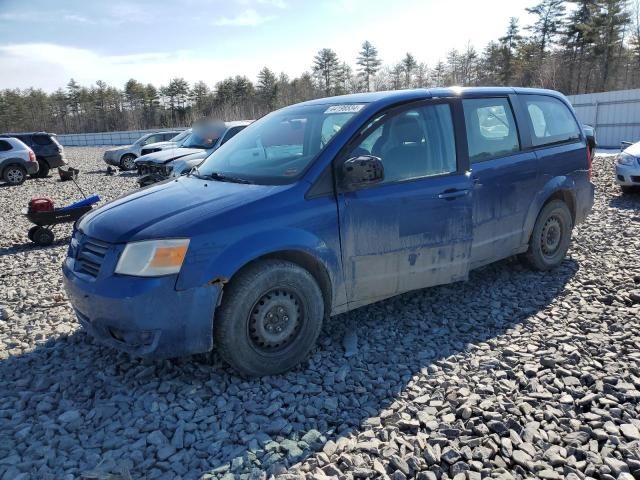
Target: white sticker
(349, 108)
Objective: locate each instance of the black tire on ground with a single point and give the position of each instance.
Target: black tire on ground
(32, 230)
(127, 162)
(551, 236)
(14, 174)
(270, 318)
(627, 189)
(43, 169)
(43, 236)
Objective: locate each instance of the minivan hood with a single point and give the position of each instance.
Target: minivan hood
(165, 156)
(170, 208)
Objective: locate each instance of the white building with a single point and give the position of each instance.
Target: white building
(615, 115)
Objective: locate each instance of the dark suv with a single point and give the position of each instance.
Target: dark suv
(49, 152)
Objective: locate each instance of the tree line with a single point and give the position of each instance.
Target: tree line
(574, 46)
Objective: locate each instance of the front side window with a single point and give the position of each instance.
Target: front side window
(491, 128)
(551, 120)
(152, 139)
(279, 147)
(414, 143)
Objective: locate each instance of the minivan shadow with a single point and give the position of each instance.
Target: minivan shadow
(123, 402)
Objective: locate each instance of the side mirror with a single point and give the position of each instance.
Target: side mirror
(363, 170)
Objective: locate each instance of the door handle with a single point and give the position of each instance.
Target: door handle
(452, 194)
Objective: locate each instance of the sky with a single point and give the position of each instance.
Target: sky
(44, 43)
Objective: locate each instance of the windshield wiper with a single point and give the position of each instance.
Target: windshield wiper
(220, 177)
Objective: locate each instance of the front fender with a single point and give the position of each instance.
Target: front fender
(555, 184)
(209, 262)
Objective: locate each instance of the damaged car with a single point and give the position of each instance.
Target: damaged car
(326, 206)
(203, 140)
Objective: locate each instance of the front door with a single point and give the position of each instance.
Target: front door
(413, 229)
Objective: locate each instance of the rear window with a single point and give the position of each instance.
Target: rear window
(491, 128)
(42, 139)
(4, 146)
(551, 120)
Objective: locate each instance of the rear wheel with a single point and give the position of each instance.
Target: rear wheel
(14, 174)
(43, 169)
(128, 162)
(551, 236)
(270, 318)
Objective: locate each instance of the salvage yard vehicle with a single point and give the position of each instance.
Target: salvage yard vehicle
(125, 156)
(16, 161)
(628, 167)
(205, 138)
(326, 206)
(173, 142)
(49, 153)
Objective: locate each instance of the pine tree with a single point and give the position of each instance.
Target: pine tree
(548, 24)
(509, 44)
(326, 68)
(409, 64)
(267, 87)
(368, 63)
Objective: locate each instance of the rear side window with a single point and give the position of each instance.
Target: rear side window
(551, 120)
(4, 146)
(491, 128)
(42, 139)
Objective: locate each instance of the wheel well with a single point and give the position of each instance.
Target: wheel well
(567, 198)
(310, 264)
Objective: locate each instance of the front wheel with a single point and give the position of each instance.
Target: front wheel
(270, 318)
(128, 162)
(42, 236)
(551, 236)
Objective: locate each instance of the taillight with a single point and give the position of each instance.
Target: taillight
(32, 156)
(589, 163)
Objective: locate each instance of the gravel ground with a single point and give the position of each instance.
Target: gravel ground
(513, 374)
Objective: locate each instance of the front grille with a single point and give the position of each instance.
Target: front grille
(91, 256)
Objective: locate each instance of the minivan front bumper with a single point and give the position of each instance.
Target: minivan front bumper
(628, 175)
(144, 317)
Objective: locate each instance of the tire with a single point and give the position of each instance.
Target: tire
(43, 169)
(551, 236)
(270, 318)
(127, 162)
(43, 236)
(14, 174)
(32, 230)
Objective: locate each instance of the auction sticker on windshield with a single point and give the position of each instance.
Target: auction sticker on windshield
(344, 109)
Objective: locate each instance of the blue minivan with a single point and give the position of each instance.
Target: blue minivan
(323, 207)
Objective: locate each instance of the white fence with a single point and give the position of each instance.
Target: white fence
(615, 115)
(106, 138)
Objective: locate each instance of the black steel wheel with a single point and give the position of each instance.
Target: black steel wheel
(551, 236)
(270, 318)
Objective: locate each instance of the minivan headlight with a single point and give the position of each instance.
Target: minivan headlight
(626, 159)
(153, 258)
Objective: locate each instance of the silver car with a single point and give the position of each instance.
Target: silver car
(16, 161)
(628, 168)
(175, 142)
(125, 156)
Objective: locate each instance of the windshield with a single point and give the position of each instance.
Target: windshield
(278, 148)
(181, 136)
(199, 140)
